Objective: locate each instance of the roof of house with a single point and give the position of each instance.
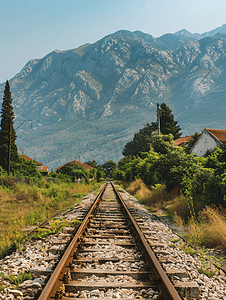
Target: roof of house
(220, 134)
(77, 163)
(183, 140)
(28, 158)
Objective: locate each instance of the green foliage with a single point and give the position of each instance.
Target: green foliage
(109, 168)
(72, 171)
(175, 240)
(163, 144)
(146, 168)
(59, 224)
(141, 140)
(41, 233)
(209, 273)
(198, 179)
(189, 250)
(172, 246)
(2, 172)
(92, 163)
(93, 173)
(19, 278)
(26, 168)
(207, 267)
(118, 175)
(43, 173)
(54, 227)
(7, 130)
(167, 123)
(100, 173)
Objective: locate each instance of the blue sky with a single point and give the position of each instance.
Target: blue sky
(31, 29)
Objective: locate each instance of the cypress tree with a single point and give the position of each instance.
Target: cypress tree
(168, 125)
(7, 116)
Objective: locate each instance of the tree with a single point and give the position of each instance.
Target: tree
(109, 168)
(167, 123)
(141, 140)
(100, 173)
(74, 171)
(162, 143)
(7, 132)
(92, 163)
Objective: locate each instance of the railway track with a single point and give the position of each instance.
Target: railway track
(110, 256)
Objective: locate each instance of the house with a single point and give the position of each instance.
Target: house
(39, 165)
(182, 141)
(87, 167)
(209, 139)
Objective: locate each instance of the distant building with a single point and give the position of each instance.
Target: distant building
(77, 163)
(182, 141)
(39, 165)
(209, 139)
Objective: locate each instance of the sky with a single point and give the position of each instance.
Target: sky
(30, 29)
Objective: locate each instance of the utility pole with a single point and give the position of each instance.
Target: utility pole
(9, 147)
(158, 118)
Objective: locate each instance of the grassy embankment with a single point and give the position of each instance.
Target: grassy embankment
(24, 205)
(205, 228)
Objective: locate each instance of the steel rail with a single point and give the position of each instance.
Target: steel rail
(166, 287)
(57, 276)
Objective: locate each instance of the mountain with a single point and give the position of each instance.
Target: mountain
(197, 36)
(89, 101)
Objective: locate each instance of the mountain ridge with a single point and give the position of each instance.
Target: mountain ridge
(89, 101)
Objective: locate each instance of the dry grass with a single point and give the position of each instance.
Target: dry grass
(179, 221)
(151, 198)
(178, 205)
(210, 230)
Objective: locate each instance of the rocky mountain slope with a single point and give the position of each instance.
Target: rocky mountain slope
(89, 101)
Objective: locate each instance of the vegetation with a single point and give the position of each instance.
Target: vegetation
(7, 132)
(144, 138)
(54, 227)
(19, 278)
(109, 168)
(167, 123)
(10, 160)
(196, 178)
(23, 205)
(141, 140)
(190, 189)
(73, 172)
(191, 143)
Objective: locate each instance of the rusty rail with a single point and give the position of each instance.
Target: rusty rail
(163, 282)
(55, 280)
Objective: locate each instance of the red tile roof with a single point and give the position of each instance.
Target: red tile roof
(77, 163)
(220, 134)
(28, 158)
(183, 140)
